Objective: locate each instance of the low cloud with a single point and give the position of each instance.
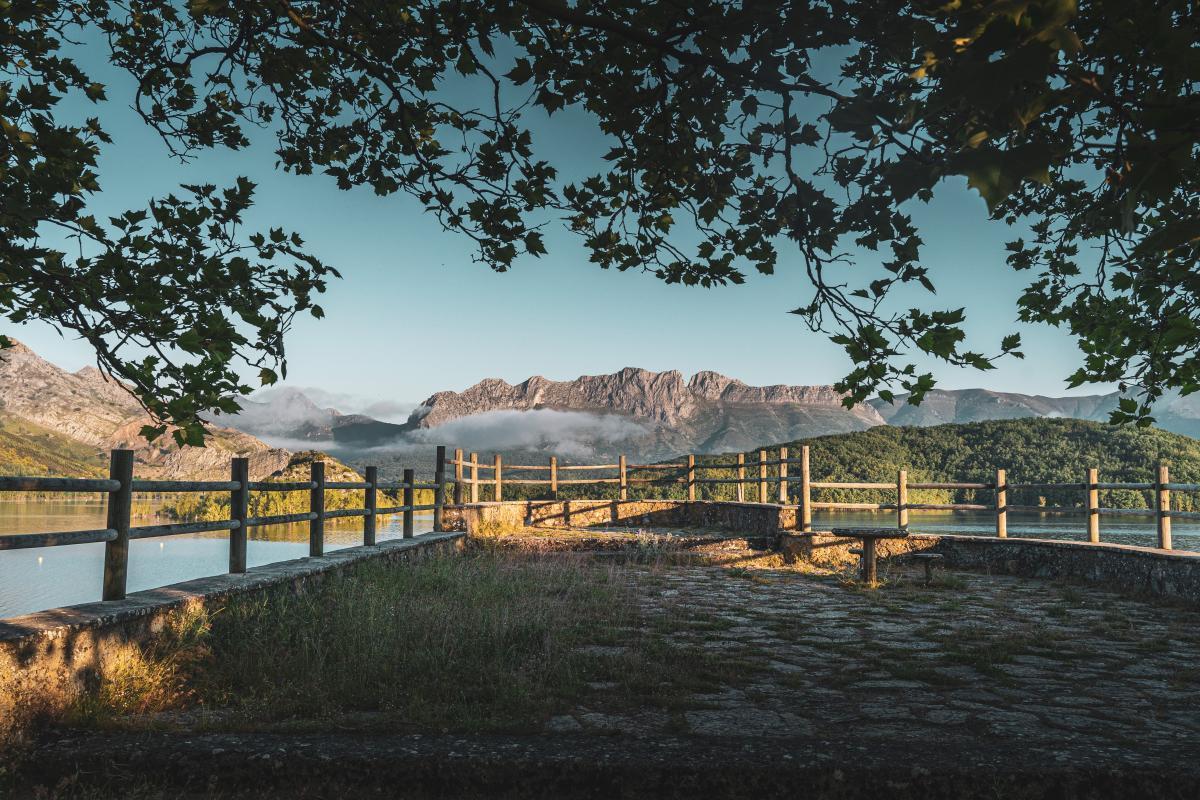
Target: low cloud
(342, 402)
(567, 433)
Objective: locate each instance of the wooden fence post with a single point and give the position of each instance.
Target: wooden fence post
(553, 477)
(1163, 506)
(762, 476)
(1093, 505)
(409, 501)
(691, 478)
(622, 481)
(498, 490)
(458, 476)
(474, 477)
(239, 510)
(316, 505)
(371, 503)
(902, 499)
(741, 486)
(1001, 504)
(120, 503)
(783, 476)
(439, 494)
(805, 492)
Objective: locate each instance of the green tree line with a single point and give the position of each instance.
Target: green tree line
(1030, 450)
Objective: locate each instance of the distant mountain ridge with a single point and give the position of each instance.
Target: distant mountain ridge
(52, 420)
(663, 397)
(942, 406)
(705, 414)
(1173, 413)
(651, 415)
(85, 415)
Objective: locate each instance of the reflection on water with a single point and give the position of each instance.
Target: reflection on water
(31, 580)
(49, 577)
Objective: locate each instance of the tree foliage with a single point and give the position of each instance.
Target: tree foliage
(739, 137)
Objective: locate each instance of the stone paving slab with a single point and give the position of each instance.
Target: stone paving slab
(988, 658)
(977, 686)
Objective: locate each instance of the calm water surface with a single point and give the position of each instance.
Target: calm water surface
(31, 580)
(49, 577)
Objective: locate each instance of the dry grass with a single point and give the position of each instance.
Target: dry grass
(128, 679)
(477, 642)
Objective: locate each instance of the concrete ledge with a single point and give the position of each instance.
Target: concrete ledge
(67, 646)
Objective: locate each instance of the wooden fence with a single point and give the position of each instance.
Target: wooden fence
(467, 483)
(120, 486)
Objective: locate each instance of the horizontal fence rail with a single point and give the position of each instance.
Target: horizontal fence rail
(752, 479)
(781, 479)
(120, 486)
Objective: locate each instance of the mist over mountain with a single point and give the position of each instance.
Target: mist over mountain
(643, 414)
(58, 421)
(646, 416)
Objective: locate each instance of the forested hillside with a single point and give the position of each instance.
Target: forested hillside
(191, 507)
(1031, 450)
(29, 449)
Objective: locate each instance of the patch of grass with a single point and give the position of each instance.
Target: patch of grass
(479, 642)
(1072, 595)
(493, 640)
(986, 649)
(129, 679)
(746, 574)
(141, 680)
(947, 580)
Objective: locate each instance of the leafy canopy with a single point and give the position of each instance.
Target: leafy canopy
(726, 128)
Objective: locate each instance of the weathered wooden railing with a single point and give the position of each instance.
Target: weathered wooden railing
(467, 483)
(121, 485)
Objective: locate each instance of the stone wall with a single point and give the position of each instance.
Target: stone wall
(759, 519)
(1138, 570)
(61, 650)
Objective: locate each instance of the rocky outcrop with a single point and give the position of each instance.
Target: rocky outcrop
(93, 410)
(667, 414)
(663, 397)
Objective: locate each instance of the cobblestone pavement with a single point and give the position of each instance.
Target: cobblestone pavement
(746, 677)
(971, 657)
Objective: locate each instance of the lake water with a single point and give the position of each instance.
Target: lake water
(49, 577)
(36, 579)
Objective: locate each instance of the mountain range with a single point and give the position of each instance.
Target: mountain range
(650, 415)
(60, 422)
(64, 423)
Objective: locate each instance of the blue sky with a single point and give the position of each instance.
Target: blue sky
(414, 314)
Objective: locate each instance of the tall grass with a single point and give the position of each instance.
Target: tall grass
(491, 640)
(468, 643)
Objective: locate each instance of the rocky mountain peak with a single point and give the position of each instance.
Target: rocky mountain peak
(664, 398)
(712, 385)
(99, 412)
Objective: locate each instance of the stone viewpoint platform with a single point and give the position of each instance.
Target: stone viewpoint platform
(976, 686)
